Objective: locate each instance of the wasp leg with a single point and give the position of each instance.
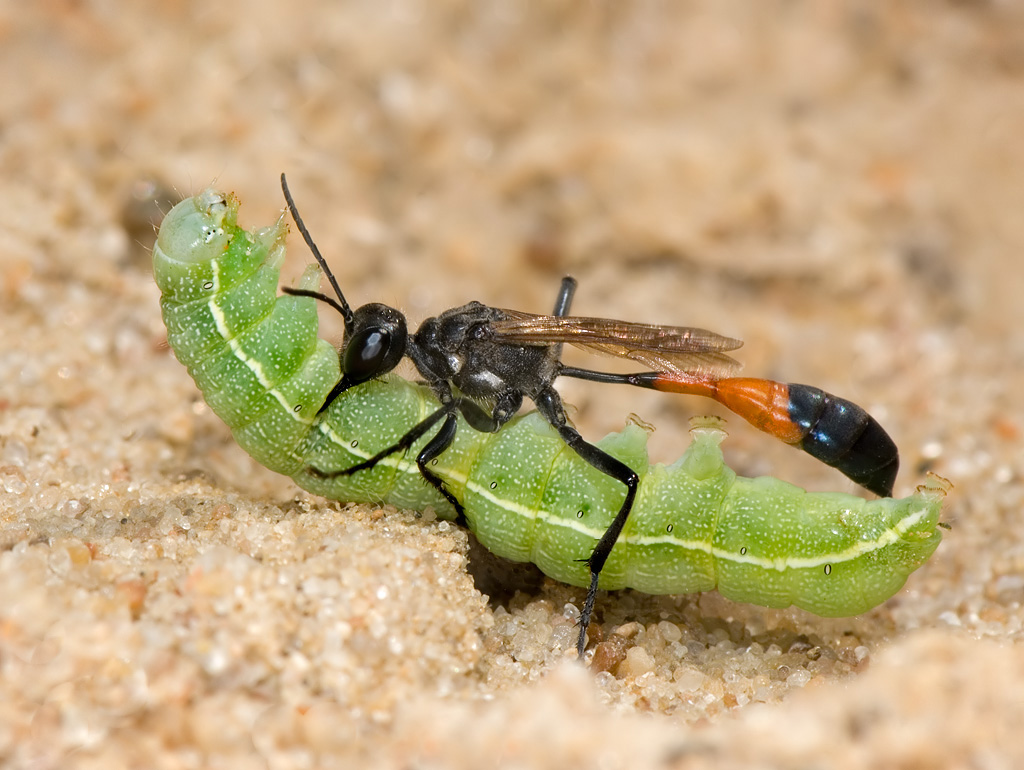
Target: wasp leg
(507, 405)
(411, 437)
(565, 293)
(562, 303)
(434, 448)
(550, 405)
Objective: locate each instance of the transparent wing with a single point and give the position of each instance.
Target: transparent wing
(681, 349)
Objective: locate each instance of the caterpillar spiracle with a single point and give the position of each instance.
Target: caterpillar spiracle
(695, 524)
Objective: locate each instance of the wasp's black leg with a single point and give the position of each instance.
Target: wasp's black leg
(565, 292)
(411, 437)
(562, 303)
(434, 448)
(550, 405)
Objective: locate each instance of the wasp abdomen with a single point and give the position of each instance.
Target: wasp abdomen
(844, 436)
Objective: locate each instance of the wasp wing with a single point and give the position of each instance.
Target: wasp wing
(682, 350)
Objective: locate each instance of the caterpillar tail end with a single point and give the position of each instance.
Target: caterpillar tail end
(920, 540)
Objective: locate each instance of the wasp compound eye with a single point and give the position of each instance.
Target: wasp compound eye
(377, 344)
(367, 354)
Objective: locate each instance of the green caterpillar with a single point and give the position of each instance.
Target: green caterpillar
(695, 525)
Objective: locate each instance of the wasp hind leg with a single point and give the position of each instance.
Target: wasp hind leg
(550, 405)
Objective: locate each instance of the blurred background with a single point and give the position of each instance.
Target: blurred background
(838, 184)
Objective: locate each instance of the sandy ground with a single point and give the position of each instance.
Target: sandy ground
(837, 184)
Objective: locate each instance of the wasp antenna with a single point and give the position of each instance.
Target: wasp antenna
(344, 309)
